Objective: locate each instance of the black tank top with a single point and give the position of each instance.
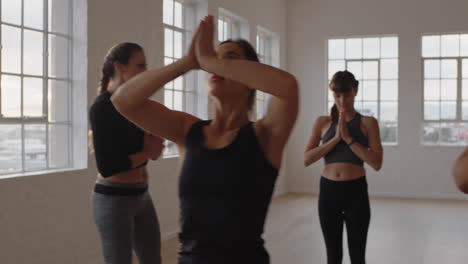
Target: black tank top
(342, 153)
(224, 193)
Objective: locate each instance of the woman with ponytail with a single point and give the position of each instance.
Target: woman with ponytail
(122, 207)
(348, 140)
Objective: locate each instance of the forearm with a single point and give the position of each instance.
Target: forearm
(255, 75)
(135, 91)
(367, 155)
(138, 158)
(312, 155)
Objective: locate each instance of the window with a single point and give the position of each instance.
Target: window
(183, 93)
(231, 26)
(445, 67)
(268, 53)
(374, 62)
(35, 86)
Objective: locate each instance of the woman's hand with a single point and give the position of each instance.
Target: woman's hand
(344, 131)
(204, 47)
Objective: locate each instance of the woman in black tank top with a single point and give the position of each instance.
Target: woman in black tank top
(230, 164)
(348, 140)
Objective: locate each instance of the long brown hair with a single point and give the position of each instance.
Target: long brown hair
(342, 82)
(251, 55)
(122, 53)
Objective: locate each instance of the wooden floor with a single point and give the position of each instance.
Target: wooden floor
(403, 231)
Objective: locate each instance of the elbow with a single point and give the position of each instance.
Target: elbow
(120, 103)
(461, 179)
(292, 84)
(377, 166)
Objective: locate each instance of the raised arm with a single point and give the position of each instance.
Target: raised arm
(132, 100)
(283, 107)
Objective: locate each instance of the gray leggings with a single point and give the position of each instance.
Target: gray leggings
(125, 223)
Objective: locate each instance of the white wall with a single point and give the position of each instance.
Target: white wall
(409, 169)
(46, 218)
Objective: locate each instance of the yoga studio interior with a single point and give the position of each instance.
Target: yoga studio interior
(401, 125)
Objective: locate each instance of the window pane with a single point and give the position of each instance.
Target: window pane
(465, 89)
(58, 101)
(336, 49)
(10, 148)
(59, 147)
(33, 97)
(334, 66)
(220, 30)
(11, 49)
(450, 45)
(463, 134)
(370, 90)
(389, 47)
(431, 111)
(448, 110)
(431, 90)
(178, 101)
(190, 103)
(11, 96)
(430, 133)
(34, 13)
(168, 99)
(178, 15)
(371, 70)
(448, 133)
(432, 69)
(178, 45)
(449, 69)
(389, 112)
(179, 83)
(11, 11)
(465, 68)
(59, 16)
(371, 48)
(388, 132)
(389, 90)
(168, 43)
(465, 110)
(58, 57)
(33, 51)
(168, 12)
(464, 45)
(389, 69)
(355, 67)
(358, 106)
(369, 109)
(168, 61)
(431, 46)
(35, 147)
(330, 95)
(353, 48)
(171, 149)
(448, 90)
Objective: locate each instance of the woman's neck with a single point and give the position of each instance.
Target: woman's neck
(229, 117)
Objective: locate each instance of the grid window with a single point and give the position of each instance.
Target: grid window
(179, 94)
(265, 42)
(35, 85)
(228, 28)
(445, 67)
(374, 63)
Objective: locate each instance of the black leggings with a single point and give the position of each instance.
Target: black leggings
(344, 202)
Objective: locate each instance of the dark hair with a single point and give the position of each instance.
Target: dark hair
(342, 82)
(122, 53)
(251, 55)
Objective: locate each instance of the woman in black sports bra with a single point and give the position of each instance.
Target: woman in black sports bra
(348, 140)
(230, 164)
